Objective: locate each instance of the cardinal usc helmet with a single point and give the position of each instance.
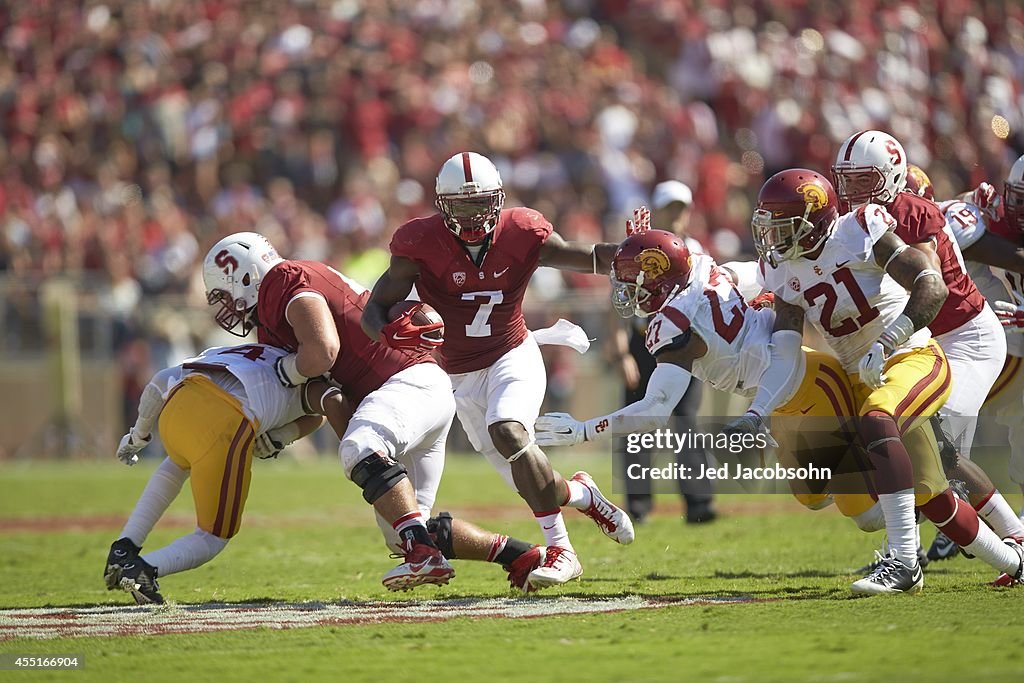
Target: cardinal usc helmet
(649, 268)
(232, 271)
(469, 196)
(919, 183)
(870, 166)
(1013, 195)
(796, 210)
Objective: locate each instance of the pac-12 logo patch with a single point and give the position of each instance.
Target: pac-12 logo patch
(459, 278)
(794, 284)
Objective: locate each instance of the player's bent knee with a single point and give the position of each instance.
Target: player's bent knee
(814, 501)
(376, 474)
(440, 529)
(509, 436)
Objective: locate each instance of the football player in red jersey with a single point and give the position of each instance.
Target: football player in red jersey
(392, 445)
(871, 166)
(472, 262)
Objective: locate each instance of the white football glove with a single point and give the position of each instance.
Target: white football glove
(131, 444)
(1011, 316)
(751, 423)
(987, 199)
(559, 429)
(268, 445)
(872, 365)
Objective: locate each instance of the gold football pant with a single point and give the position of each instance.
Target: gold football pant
(205, 432)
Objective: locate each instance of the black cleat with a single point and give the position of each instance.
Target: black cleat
(122, 550)
(942, 548)
(890, 576)
(922, 561)
(138, 577)
(700, 513)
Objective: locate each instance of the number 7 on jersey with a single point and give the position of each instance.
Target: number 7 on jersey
(480, 327)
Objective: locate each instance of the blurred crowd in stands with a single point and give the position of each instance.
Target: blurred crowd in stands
(134, 133)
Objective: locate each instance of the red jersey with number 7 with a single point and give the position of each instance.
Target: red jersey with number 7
(921, 220)
(363, 365)
(480, 298)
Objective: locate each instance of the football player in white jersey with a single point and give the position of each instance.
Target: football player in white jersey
(853, 274)
(701, 324)
(215, 413)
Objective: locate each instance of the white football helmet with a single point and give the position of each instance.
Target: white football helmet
(871, 166)
(1013, 195)
(469, 196)
(232, 271)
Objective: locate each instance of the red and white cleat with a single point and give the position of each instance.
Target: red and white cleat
(1016, 578)
(559, 566)
(612, 519)
(423, 565)
(520, 568)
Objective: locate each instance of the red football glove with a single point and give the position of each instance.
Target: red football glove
(403, 333)
(763, 300)
(985, 198)
(641, 222)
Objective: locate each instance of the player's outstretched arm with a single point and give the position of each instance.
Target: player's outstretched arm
(150, 404)
(393, 286)
(665, 390)
(993, 250)
(578, 256)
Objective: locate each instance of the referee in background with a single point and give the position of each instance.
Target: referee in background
(670, 210)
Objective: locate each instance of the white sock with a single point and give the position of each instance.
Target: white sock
(579, 495)
(871, 519)
(553, 527)
(987, 547)
(188, 552)
(900, 524)
(1000, 516)
(161, 490)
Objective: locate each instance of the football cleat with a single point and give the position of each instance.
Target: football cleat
(890, 576)
(122, 550)
(1016, 578)
(559, 565)
(519, 569)
(423, 564)
(922, 559)
(612, 519)
(138, 577)
(942, 548)
(700, 513)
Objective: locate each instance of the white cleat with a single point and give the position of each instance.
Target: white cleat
(558, 566)
(612, 519)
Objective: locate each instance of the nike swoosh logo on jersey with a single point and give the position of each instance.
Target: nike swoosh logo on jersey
(840, 265)
(499, 273)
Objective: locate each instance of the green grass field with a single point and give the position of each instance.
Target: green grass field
(308, 536)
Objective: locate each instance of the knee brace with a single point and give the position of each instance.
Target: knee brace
(377, 474)
(440, 529)
(947, 451)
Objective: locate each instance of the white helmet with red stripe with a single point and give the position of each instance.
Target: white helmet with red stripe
(232, 272)
(1013, 195)
(469, 196)
(871, 166)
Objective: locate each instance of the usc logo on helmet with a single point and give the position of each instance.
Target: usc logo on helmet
(814, 195)
(653, 262)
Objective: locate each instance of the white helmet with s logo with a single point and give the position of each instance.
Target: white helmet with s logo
(232, 271)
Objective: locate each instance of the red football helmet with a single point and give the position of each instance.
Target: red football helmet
(919, 183)
(796, 210)
(648, 269)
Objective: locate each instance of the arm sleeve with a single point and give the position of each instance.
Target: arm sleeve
(665, 389)
(749, 282)
(785, 371)
(152, 401)
(965, 222)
